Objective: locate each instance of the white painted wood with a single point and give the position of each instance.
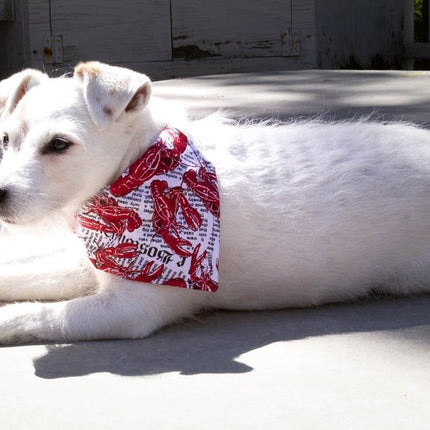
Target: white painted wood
(216, 36)
(113, 31)
(229, 29)
(209, 66)
(7, 10)
(408, 22)
(142, 35)
(360, 34)
(304, 20)
(38, 20)
(13, 38)
(418, 50)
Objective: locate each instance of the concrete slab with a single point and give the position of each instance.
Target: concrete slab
(349, 366)
(335, 94)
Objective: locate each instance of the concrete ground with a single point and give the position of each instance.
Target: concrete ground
(348, 366)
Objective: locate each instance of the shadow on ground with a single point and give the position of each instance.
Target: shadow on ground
(212, 343)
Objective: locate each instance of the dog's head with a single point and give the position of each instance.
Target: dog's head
(63, 139)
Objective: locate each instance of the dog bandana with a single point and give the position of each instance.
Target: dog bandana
(159, 221)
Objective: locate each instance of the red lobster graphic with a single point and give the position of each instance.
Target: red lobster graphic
(116, 218)
(166, 207)
(158, 159)
(146, 276)
(176, 282)
(204, 185)
(106, 260)
(202, 282)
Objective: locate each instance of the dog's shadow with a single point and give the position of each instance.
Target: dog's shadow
(213, 342)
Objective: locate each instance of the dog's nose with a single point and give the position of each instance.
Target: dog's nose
(3, 194)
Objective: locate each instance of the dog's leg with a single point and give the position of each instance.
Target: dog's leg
(49, 267)
(127, 310)
(57, 276)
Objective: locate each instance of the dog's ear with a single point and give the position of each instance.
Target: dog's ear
(13, 89)
(109, 91)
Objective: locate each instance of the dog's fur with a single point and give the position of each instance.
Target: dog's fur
(311, 212)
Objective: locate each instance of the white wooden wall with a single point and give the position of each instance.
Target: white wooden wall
(224, 28)
(364, 34)
(170, 38)
(167, 38)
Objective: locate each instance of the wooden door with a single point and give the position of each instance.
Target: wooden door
(167, 38)
(64, 32)
(229, 29)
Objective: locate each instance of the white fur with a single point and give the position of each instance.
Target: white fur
(311, 212)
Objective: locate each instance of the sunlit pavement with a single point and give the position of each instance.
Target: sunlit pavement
(348, 366)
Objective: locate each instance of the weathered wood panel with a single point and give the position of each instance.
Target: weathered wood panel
(304, 21)
(190, 37)
(13, 46)
(39, 27)
(7, 10)
(228, 29)
(110, 31)
(210, 66)
(174, 38)
(360, 34)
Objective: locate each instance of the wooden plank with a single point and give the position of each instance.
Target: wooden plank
(357, 35)
(13, 47)
(417, 51)
(38, 22)
(160, 70)
(208, 66)
(114, 32)
(246, 36)
(304, 20)
(222, 28)
(408, 22)
(7, 10)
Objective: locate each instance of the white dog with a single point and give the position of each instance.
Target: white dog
(310, 212)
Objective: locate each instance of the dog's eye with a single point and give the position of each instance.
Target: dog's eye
(58, 145)
(5, 141)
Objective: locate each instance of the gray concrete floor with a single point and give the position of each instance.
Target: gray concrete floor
(350, 366)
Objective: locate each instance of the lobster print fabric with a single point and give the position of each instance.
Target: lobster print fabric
(159, 221)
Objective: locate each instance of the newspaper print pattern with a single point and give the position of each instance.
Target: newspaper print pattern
(159, 221)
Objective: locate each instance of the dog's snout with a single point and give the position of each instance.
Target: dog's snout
(3, 195)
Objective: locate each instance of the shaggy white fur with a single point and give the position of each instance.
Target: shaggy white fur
(311, 212)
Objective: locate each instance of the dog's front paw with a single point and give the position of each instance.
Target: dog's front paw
(22, 323)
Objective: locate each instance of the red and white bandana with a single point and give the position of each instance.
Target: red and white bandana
(159, 221)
